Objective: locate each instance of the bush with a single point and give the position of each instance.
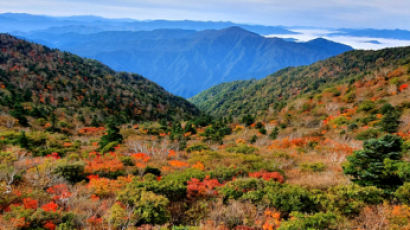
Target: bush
(152, 170)
(403, 193)
(288, 198)
(366, 106)
(73, 172)
(350, 199)
(371, 166)
(148, 207)
(239, 187)
(248, 120)
(224, 173)
(109, 147)
(127, 161)
(173, 185)
(253, 139)
(318, 220)
(274, 134)
(313, 167)
(245, 149)
(197, 148)
(368, 134)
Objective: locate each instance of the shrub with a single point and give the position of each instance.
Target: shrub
(262, 131)
(313, 167)
(73, 172)
(341, 120)
(368, 134)
(245, 149)
(287, 198)
(368, 167)
(366, 106)
(152, 170)
(109, 146)
(403, 193)
(253, 139)
(248, 120)
(127, 161)
(350, 199)
(318, 220)
(224, 173)
(274, 134)
(237, 188)
(173, 185)
(148, 207)
(197, 148)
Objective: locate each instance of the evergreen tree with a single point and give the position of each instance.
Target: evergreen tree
(113, 135)
(274, 134)
(376, 164)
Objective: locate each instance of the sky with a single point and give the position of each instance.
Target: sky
(387, 14)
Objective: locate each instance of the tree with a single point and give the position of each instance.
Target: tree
(390, 121)
(19, 113)
(113, 135)
(374, 165)
(274, 134)
(248, 120)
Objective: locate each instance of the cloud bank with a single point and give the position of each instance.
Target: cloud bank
(329, 13)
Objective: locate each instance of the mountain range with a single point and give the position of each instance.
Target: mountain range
(186, 62)
(20, 22)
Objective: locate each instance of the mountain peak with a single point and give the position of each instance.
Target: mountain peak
(237, 30)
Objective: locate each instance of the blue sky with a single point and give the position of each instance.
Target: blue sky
(323, 13)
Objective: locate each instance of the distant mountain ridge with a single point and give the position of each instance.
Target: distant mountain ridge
(14, 22)
(186, 62)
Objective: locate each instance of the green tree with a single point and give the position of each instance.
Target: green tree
(113, 135)
(248, 120)
(274, 134)
(390, 121)
(373, 166)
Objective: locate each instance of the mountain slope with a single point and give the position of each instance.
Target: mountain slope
(259, 97)
(186, 62)
(39, 82)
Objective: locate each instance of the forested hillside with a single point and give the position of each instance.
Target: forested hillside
(271, 93)
(46, 84)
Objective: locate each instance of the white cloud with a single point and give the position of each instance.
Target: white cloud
(366, 43)
(328, 13)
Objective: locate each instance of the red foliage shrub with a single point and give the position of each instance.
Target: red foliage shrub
(49, 225)
(205, 188)
(403, 87)
(50, 207)
(59, 191)
(106, 163)
(54, 155)
(91, 130)
(30, 203)
(94, 220)
(276, 176)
